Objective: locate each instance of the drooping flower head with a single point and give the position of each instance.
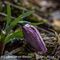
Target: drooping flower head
(33, 37)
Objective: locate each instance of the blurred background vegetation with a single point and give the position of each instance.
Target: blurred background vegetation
(40, 18)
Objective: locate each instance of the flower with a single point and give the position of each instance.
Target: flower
(33, 37)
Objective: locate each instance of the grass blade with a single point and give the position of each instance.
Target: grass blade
(16, 34)
(8, 17)
(14, 23)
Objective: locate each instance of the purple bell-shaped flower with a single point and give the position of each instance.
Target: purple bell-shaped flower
(33, 37)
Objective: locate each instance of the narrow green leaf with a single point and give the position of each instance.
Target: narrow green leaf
(37, 23)
(14, 23)
(8, 17)
(8, 13)
(40, 22)
(16, 34)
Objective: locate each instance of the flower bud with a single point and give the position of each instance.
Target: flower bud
(33, 37)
